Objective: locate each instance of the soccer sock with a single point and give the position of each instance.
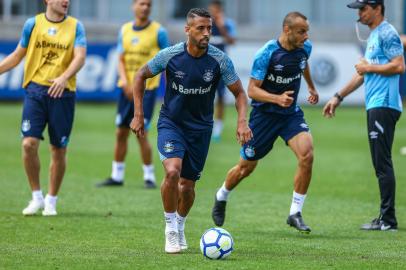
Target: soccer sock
(118, 170)
(222, 193)
(171, 222)
(37, 195)
(217, 127)
(149, 172)
(51, 199)
(181, 222)
(297, 203)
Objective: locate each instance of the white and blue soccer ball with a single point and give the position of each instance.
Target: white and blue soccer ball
(216, 243)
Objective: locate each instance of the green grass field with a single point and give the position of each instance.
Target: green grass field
(122, 228)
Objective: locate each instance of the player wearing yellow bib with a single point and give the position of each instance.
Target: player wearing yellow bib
(54, 46)
(138, 42)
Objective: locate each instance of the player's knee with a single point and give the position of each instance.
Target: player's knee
(186, 189)
(306, 159)
(30, 145)
(122, 135)
(172, 175)
(58, 153)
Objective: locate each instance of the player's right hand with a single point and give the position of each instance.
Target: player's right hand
(285, 99)
(137, 125)
(127, 91)
(244, 133)
(330, 108)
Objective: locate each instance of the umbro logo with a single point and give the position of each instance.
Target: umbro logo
(373, 135)
(180, 74)
(304, 125)
(279, 67)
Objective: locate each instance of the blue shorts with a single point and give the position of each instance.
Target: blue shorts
(192, 147)
(221, 89)
(40, 109)
(267, 127)
(125, 109)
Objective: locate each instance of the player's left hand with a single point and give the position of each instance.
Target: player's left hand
(137, 125)
(314, 96)
(244, 133)
(57, 87)
(362, 66)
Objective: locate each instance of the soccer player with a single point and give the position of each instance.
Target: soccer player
(54, 45)
(274, 88)
(223, 34)
(379, 71)
(138, 42)
(193, 71)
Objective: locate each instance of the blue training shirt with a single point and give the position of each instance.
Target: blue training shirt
(191, 84)
(217, 39)
(280, 70)
(382, 91)
(80, 39)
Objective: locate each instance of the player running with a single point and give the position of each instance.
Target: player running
(55, 48)
(193, 71)
(138, 42)
(274, 88)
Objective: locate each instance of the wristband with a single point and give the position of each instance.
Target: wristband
(340, 98)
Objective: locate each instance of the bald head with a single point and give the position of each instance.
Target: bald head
(292, 17)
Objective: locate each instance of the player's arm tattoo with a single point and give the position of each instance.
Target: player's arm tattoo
(145, 73)
(139, 88)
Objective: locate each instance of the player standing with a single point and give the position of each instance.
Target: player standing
(223, 34)
(54, 45)
(193, 71)
(138, 42)
(379, 71)
(274, 87)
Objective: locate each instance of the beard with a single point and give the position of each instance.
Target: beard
(202, 44)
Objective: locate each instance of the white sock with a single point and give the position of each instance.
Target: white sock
(51, 199)
(149, 172)
(118, 170)
(222, 193)
(181, 222)
(171, 222)
(217, 127)
(37, 195)
(297, 203)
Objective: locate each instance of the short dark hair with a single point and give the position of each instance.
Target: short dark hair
(197, 12)
(374, 6)
(291, 16)
(217, 3)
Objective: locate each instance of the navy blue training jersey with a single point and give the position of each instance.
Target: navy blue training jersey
(280, 70)
(191, 84)
(217, 39)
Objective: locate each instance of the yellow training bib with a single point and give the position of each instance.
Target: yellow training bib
(139, 47)
(50, 51)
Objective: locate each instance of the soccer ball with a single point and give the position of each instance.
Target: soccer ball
(216, 243)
